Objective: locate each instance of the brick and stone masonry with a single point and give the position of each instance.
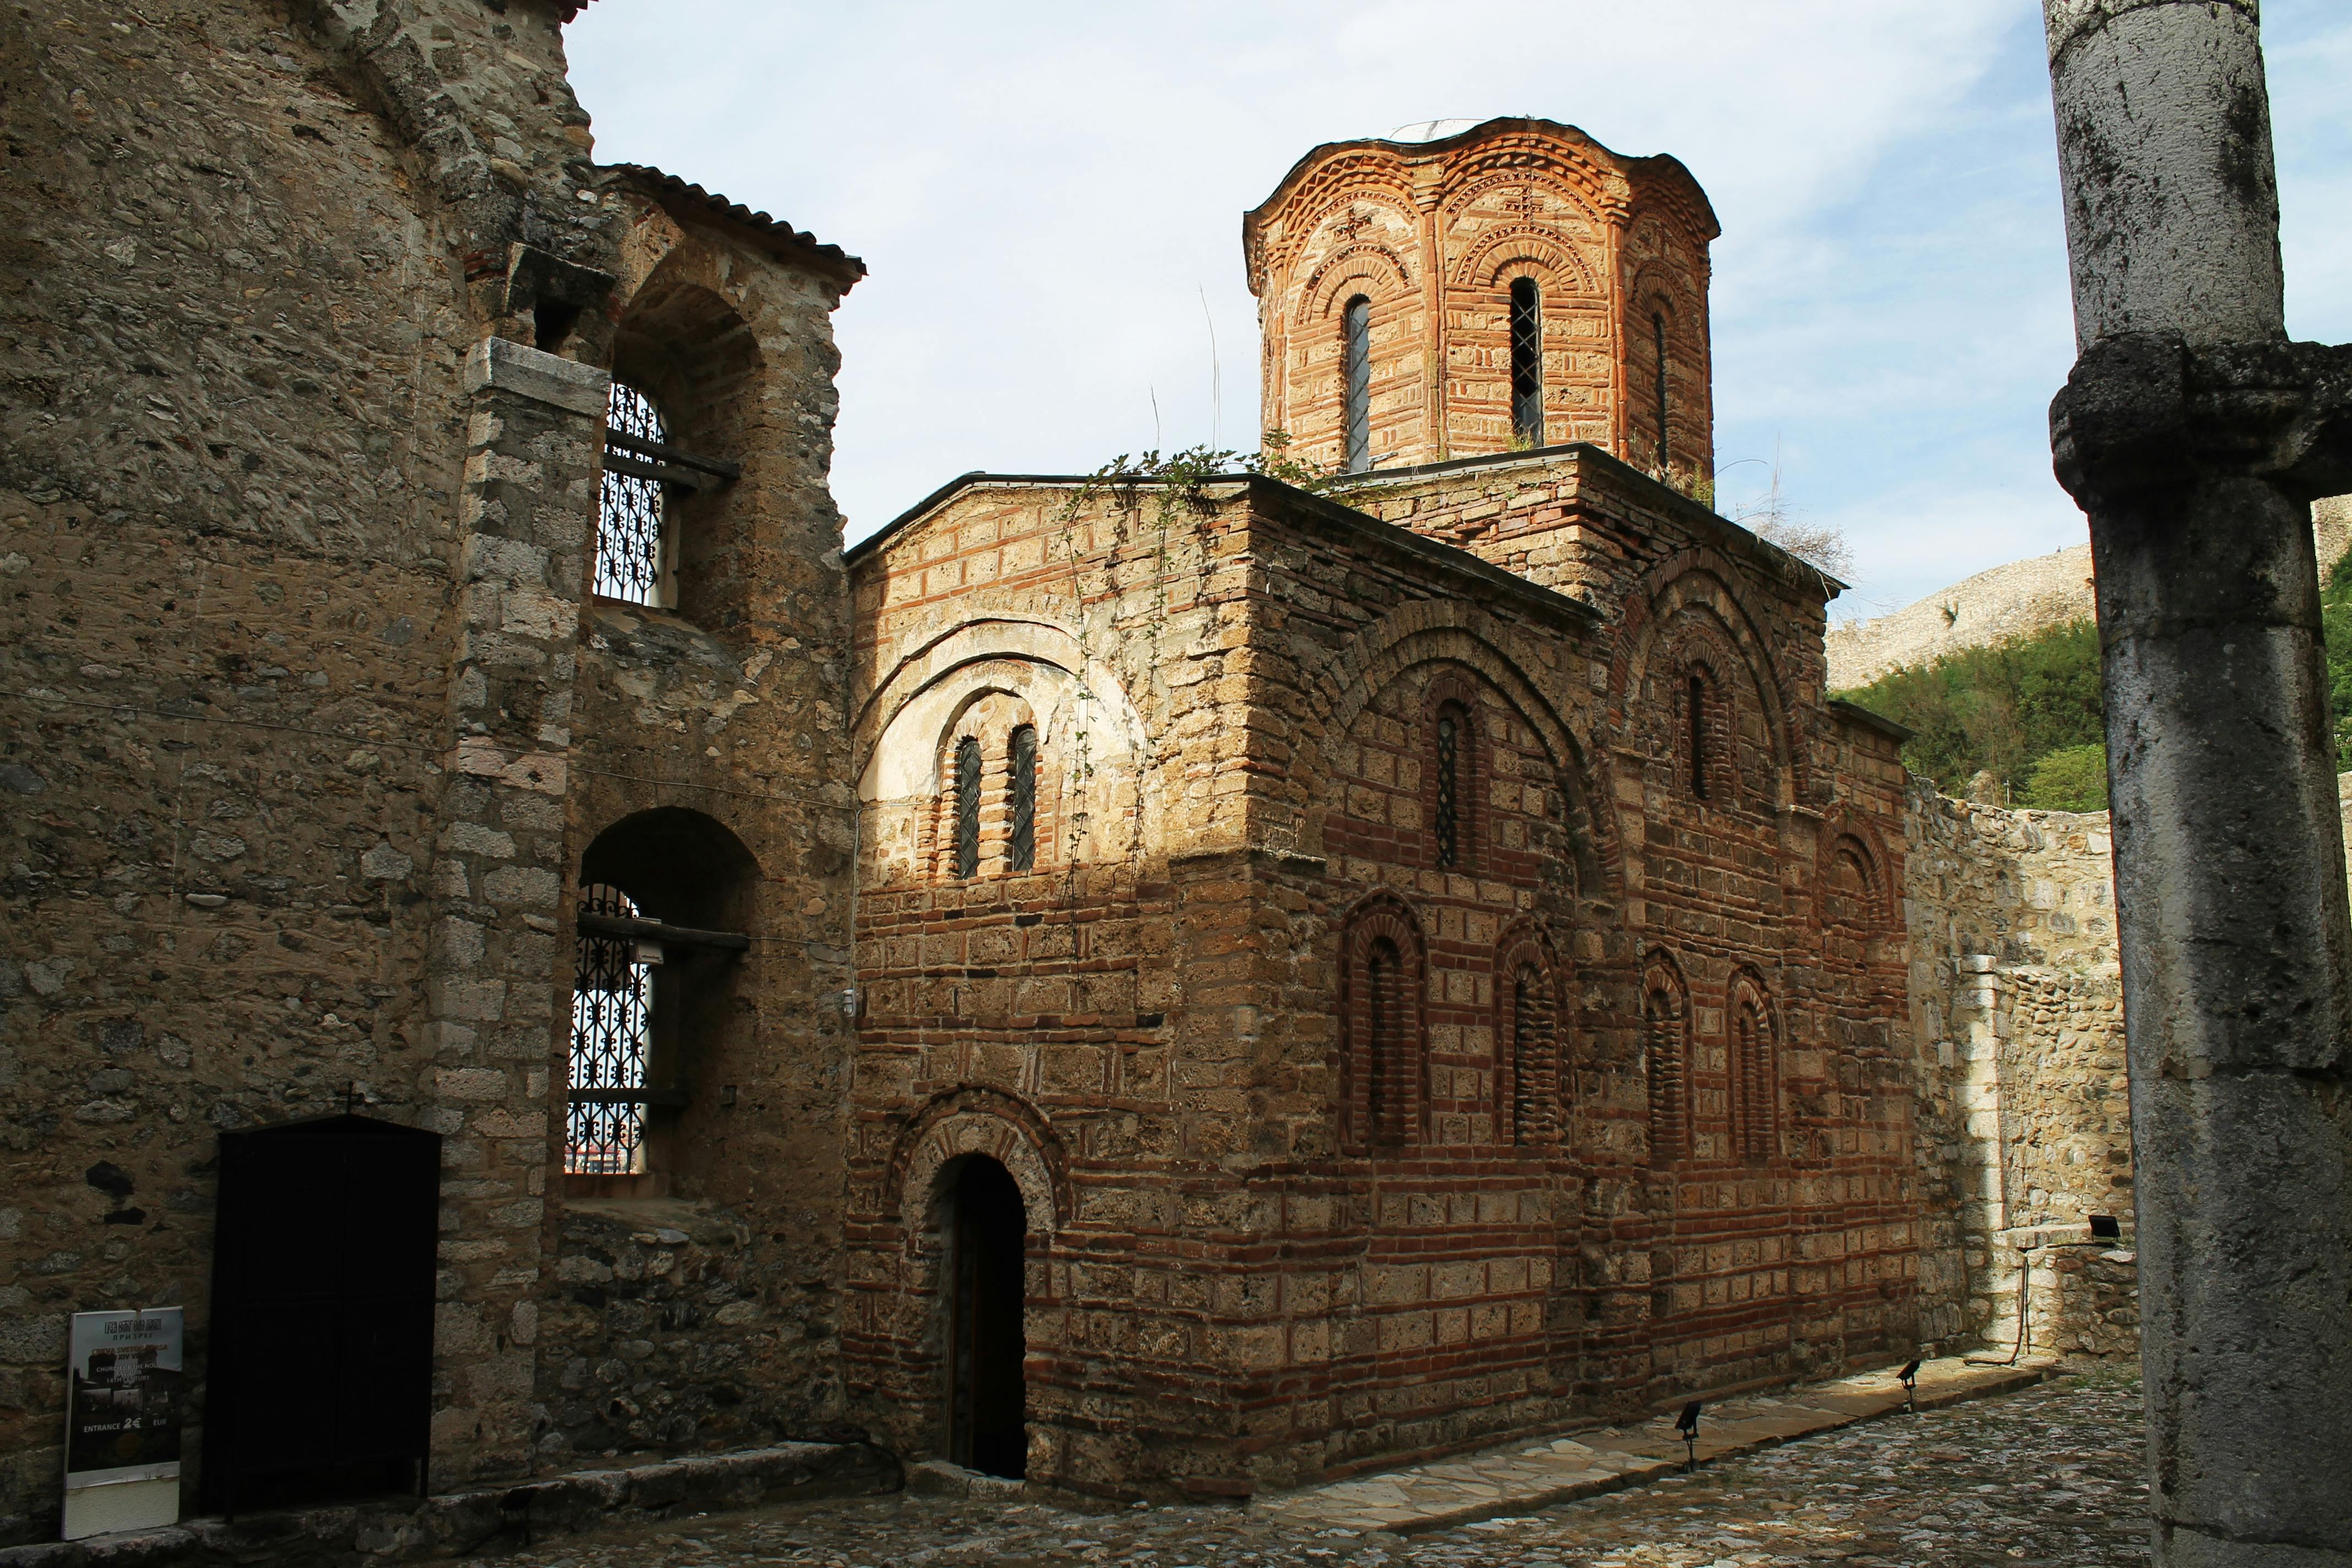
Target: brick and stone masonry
(1454, 979)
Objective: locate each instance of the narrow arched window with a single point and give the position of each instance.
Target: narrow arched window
(1664, 1029)
(1694, 710)
(1527, 362)
(1391, 1095)
(631, 551)
(1025, 798)
(1534, 1067)
(1356, 374)
(1755, 1080)
(1445, 817)
(1658, 338)
(967, 807)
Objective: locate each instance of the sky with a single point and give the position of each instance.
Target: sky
(1049, 198)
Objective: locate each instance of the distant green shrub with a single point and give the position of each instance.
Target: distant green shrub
(2072, 778)
(2029, 710)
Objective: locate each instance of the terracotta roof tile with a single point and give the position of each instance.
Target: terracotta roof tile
(668, 189)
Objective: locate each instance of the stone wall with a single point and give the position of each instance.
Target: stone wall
(311, 721)
(2016, 1003)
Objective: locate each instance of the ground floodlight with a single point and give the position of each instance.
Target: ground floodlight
(1687, 1425)
(1909, 1376)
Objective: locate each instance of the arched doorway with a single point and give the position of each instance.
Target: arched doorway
(987, 1414)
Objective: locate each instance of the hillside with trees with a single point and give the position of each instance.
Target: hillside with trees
(2027, 712)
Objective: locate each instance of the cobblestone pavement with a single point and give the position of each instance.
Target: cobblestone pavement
(2048, 1476)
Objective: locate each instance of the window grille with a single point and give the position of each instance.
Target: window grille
(1658, 338)
(629, 520)
(1666, 1053)
(1527, 362)
(1755, 1082)
(1533, 1080)
(1384, 996)
(612, 1029)
(1448, 814)
(967, 807)
(1695, 698)
(1356, 358)
(1025, 798)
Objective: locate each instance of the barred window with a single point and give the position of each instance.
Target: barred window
(1356, 364)
(1527, 362)
(1392, 1089)
(967, 807)
(1658, 338)
(1447, 819)
(629, 542)
(1025, 798)
(1535, 1074)
(1694, 704)
(612, 1032)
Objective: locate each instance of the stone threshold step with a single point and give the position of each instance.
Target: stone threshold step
(494, 1518)
(1523, 1477)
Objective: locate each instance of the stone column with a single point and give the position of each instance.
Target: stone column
(496, 963)
(2196, 438)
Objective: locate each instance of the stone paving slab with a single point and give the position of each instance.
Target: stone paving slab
(1523, 1477)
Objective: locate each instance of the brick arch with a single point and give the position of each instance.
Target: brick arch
(1550, 258)
(1528, 161)
(1378, 917)
(1526, 944)
(1436, 629)
(1696, 648)
(1699, 576)
(1033, 639)
(1844, 835)
(1384, 272)
(1666, 1026)
(976, 1120)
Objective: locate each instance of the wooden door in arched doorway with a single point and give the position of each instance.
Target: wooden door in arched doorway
(987, 1429)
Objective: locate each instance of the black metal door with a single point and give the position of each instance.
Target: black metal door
(320, 1381)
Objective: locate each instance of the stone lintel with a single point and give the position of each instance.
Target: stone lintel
(535, 374)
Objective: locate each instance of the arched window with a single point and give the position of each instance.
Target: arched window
(1025, 798)
(1446, 808)
(967, 807)
(1356, 373)
(1535, 1058)
(1527, 362)
(1755, 1079)
(611, 1042)
(632, 552)
(1658, 340)
(1380, 1025)
(1664, 1049)
(1695, 739)
(1385, 993)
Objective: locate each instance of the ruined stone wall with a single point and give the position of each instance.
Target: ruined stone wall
(298, 494)
(2016, 1003)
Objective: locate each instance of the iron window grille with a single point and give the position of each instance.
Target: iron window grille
(634, 553)
(967, 807)
(1356, 364)
(1658, 340)
(1025, 798)
(1527, 362)
(1448, 821)
(612, 1036)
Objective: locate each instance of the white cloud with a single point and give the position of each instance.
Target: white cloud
(1046, 194)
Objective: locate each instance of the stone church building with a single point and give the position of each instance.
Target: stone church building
(1159, 986)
